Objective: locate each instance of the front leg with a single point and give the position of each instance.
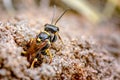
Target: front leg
(54, 47)
(49, 54)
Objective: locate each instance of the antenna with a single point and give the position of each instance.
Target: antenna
(53, 14)
(61, 16)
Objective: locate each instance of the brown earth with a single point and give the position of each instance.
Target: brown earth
(90, 52)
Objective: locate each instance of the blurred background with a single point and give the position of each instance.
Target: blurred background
(94, 10)
(99, 19)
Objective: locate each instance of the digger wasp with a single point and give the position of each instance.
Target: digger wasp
(39, 46)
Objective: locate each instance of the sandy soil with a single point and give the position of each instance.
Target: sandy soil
(90, 52)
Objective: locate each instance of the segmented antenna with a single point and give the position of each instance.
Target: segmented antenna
(61, 16)
(53, 14)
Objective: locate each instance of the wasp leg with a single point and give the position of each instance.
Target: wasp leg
(33, 62)
(23, 53)
(60, 38)
(49, 54)
(54, 47)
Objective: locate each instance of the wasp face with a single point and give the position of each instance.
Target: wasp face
(51, 28)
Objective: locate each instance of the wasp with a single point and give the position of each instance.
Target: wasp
(40, 45)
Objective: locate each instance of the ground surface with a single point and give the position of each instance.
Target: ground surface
(90, 52)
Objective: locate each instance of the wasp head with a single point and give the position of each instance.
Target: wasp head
(51, 28)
